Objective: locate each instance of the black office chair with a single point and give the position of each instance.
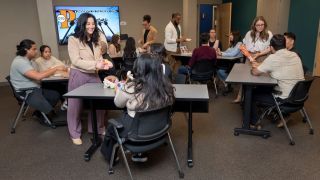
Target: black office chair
(204, 71)
(149, 130)
(24, 106)
(294, 103)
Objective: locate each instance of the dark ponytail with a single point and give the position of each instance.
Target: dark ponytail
(24, 45)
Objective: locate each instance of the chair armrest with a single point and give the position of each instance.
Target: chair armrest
(115, 123)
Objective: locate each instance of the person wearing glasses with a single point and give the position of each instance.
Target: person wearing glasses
(149, 33)
(257, 42)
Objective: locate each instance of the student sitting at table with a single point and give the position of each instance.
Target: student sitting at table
(130, 54)
(47, 61)
(138, 95)
(201, 53)
(232, 51)
(290, 45)
(115, 47)
(160, 50)
(213, 41)
(23, 75)
(257, 42)
(284, 66)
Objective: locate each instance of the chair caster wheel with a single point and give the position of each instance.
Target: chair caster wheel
(181, 175)
(311, 132)
(86, 157)
(292, 143)
(111, 171)
(236, 134)
(13, 130)
(304, 120)
(266, 136)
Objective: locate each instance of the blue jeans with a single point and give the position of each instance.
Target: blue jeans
(184, 70)
(222, 74)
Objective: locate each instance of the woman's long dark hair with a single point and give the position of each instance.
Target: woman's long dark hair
(24, 45)
(130, 48)
(236, 38)
(114, 40)
(80, 29)
(150, 83)
(42, 48)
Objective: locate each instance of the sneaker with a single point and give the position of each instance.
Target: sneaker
(64, 105)
(76, 141)
(139, 157)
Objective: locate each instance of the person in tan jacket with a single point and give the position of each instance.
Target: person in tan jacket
(85, 54)
(149, 33)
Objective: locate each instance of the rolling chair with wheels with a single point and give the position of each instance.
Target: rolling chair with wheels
(293, 103)
(149, 130)
(22, 96)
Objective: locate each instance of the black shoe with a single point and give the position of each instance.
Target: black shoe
(139, 157)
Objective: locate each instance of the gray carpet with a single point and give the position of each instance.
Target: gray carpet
(38, 152)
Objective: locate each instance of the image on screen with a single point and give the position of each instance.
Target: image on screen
(108, 20)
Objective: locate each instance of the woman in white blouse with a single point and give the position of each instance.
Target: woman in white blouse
(257, 42)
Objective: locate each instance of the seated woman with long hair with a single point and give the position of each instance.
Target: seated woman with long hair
(149, 90)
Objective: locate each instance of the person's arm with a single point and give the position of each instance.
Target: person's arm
(33, 74)
(232, 51)
(74, 54)
(262, 68)
(122, 97)
(267, 50)
(216, 44)
(255, 71)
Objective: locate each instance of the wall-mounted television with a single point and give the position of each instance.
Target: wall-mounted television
(108, 20)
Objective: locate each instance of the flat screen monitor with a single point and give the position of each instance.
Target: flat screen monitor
(108, 20)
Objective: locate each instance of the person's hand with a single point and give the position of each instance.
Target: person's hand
(219, 52)
(145, 46)
(100, 65)
(111, 78)
(61, 68)
(108, 63)
(255, 64)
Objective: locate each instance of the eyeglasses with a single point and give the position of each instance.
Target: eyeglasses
(259, 25)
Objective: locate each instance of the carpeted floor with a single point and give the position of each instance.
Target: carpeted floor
(38, 152)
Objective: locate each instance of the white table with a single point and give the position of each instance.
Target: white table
(189, 98)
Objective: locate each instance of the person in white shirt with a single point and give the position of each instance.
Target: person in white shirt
(284, 66)
(257, 40)
(173, 37)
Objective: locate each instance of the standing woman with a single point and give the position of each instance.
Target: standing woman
(86, 59)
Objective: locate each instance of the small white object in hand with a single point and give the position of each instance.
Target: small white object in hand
(108, 84)
(130, 75)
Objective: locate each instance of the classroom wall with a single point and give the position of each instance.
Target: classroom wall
(132, 12)
(303, 21)
(19, 21)
(243, 13)
(278, 18)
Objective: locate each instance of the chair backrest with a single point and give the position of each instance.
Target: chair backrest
(203, 69)
(151, 125)
(14, 92)
(299, 93)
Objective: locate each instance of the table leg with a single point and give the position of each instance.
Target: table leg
(96, 141)
(190, 160)
(246, 121)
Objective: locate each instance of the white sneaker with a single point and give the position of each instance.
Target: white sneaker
(64, 105)
(76, 141)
